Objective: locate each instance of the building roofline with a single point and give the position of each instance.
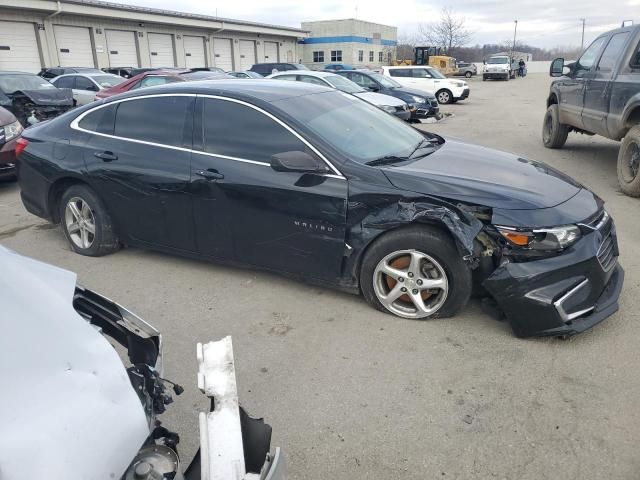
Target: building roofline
(349, 20)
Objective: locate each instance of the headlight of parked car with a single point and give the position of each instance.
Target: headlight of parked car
(12, 130)
(418, 99)
(557, 238)
(388, 108)
(460, 84)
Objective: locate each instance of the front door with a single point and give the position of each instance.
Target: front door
(139, 160)
(292, 222)
(598, 85)
(571, 87)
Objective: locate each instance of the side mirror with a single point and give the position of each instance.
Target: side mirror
(374, 88)
(296, 161)
(557, 67)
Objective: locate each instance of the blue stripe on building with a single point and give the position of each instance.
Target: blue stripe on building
(346, 39)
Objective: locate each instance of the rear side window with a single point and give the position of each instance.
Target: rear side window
(65, 82)
(100, 120)
(315, 81)
(420, 73)
(612, 53)
(635, 59)
(238, 131)
(400, 72)
(286, 77)
(162, 120)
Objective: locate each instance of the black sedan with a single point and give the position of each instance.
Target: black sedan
(321, 186)
(421, 103)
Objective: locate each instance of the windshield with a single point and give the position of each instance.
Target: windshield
(386, 82)
(106, 81)
(300, 66)
(12, 83)
(343, 84)
(354, 128)
(498, 60)
(435, 73)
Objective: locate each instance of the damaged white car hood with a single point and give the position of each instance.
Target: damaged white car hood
(67, 409)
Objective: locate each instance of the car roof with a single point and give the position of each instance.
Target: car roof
(10, 72)
(88, 74)
(400, 67)
(264, 90)
(308, 73)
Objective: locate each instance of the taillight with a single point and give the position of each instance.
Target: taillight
(21, 144)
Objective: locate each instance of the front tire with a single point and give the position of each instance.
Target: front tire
(554, 133)
(86, 222)
(444, 96)
(629, 163)
(467, 74)
(415, 273)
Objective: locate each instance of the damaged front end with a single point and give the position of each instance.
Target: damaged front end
(89, 416)
(34, 106)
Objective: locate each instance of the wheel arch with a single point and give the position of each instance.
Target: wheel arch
(56, 191)
(632, 117)
(552, 99)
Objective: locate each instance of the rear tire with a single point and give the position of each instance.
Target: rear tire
(439, 261)
(629, 163)
(554, 133)
(467, 74)
(86, 222)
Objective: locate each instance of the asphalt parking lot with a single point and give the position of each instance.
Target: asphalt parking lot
(354, 393)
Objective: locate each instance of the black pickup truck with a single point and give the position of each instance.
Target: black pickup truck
(600, 94)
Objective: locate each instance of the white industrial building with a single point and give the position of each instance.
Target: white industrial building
(351, 41)
(90, 33)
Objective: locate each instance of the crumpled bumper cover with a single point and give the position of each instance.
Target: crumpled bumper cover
(561, 295)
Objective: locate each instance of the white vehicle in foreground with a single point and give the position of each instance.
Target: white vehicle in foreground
(72, 410)
(446, 90)
(498, 67)
(389, 104)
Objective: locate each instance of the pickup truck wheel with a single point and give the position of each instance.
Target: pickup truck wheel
(444, 96)
(629, 163)
(415, 273)
(467, 74)
(554, 133)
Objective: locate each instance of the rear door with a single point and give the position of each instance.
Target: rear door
(84, 90)
(402, 76)
(287, 221)
(139, 159)
(571, 87)
(599, 83)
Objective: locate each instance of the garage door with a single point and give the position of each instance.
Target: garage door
(19, 47)
(161, 50)
(73, 45)
(122, 49)
(223, 54)
(194, 56)
(271, 52)
(247, 54)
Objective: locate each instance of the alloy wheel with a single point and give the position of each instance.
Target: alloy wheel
(80, 222)
(444, 97)
(410, 284)
(634, 160)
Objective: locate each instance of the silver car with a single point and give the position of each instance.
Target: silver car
(86, 85)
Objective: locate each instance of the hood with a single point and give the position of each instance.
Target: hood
(6, 117)
(68, 399)
(48, 96)
(483, 176)
(414, 91)
(380, 99)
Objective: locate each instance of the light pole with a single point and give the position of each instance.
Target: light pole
(515, 30)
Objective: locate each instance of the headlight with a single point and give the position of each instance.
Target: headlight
(12, 131)
(418, 99)
(388, 108)
(459, 84)
(557, 238)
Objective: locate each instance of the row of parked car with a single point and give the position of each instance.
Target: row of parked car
(409, 93)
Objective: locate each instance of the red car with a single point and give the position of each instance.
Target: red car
(159, 77)
(10, 130)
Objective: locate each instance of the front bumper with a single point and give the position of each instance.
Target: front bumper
(465, 94)
(561, 295)
(496, 75)
(8, 159)
(430, 108)
(402, 114)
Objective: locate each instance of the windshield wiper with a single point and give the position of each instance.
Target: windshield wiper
(386, 160)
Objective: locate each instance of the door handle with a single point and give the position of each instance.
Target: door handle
(210, 174)
(106, 156)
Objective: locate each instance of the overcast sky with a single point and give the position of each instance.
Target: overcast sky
(543, 23)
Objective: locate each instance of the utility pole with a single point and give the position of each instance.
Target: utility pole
(582, 41)
(515, 30)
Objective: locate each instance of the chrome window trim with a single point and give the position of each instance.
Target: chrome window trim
(75, 125)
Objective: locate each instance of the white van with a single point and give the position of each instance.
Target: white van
(447, 90)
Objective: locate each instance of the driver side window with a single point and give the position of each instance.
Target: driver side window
(588, 58)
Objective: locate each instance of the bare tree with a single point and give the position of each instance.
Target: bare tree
(404, 49)
(449, 32)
